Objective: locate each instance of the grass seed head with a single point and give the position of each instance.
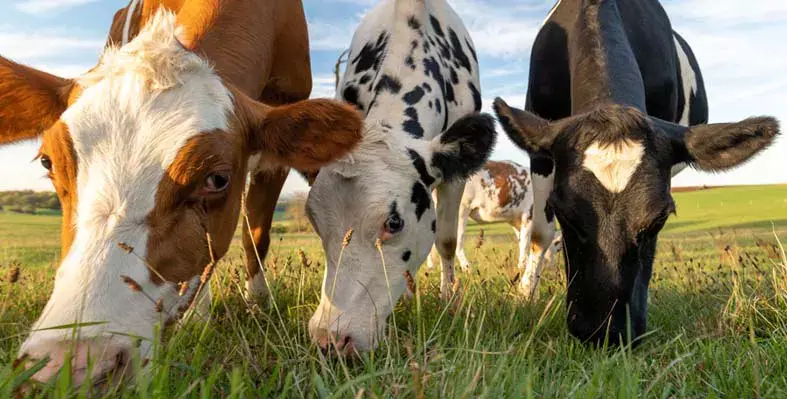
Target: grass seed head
(347, 238)
(410, 281)
(13, 275)
(131, 283)
(184, 287)
(206, 272)
(128, 248)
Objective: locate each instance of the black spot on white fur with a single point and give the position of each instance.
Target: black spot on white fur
(420, 166)
(413, 96)
(371, 54)
(411, 125)
(476, 96)
(406, 255)
(388, 83)
(420, 198)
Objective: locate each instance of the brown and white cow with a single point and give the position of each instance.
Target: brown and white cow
(500, 192)
(149, 153)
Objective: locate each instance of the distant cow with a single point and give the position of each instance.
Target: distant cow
(413, 73)
(149, 153)
(609, 84)
(499, 192)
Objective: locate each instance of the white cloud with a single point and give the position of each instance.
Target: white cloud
(331, 35)
(27, 46)
(725, 13)
(42, 6)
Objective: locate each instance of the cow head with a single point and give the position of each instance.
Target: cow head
(612, 197)
(147, 153)
(382, 193)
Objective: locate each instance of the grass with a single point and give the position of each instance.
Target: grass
(717, 321)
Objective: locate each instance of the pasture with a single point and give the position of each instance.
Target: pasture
(717, 320)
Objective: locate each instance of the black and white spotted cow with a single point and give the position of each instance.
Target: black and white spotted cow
(413, 73)
(608, 100)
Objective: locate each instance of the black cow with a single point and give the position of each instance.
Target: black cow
(608, 89)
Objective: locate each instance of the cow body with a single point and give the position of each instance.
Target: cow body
(413, 73)
(149, 153)
(671, 78)
(500, 192)
(608, 105)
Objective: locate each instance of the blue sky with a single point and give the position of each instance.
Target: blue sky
(740, 46)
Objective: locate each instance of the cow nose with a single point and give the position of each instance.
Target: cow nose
(333, 342)
(101, 357)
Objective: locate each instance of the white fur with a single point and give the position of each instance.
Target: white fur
(689, 87)
(130, 10)
(689, 82)
(613, 165)
(138, 109)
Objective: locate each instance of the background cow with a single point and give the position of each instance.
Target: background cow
(605, 96)
(500, 192)
(413, 72)
(148, 153)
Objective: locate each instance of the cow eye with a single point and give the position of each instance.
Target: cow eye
(46, 162)
(394, 224)
(217, 182)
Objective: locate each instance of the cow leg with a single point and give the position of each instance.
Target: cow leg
(525, 235)
(542, 230)
(430, 259)
(261, 197)
(464, 213)
(449, 196)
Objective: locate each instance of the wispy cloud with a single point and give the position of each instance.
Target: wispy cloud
(29, 46)
(42, 6)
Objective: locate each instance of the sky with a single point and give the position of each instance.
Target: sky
(740, 46)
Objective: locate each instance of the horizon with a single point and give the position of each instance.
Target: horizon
(738, 48)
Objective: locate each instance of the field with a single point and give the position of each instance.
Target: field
(718, 321)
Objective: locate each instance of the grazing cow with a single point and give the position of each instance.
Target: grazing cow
(499, 192)
(413, 73)
(606, 97)
(148, 153)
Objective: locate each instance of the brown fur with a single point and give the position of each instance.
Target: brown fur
(184, 216)
(304, 135)
(30, 101)
(501, 172)
(57, 145)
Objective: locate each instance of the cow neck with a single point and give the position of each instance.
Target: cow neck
(603, 67)
(226, 53)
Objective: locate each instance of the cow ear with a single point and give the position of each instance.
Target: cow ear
(721, 146)
(528, 131)
(305, 135)
(462, 149)
(30, 101)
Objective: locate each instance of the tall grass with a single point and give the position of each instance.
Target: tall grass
(717, 328)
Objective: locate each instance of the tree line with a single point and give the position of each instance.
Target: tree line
(28, 201)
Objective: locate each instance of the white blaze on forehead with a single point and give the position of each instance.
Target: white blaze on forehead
(139, 107)
(689, 79)
(614, 164)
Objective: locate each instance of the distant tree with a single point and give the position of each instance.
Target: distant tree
(296, 214)
(29, 199)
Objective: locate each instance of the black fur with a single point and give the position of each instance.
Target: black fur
(718, 147)
(468, 142)
(420, 166)
(420, 197)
